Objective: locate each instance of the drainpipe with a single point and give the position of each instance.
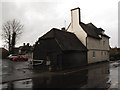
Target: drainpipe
(87, 50)
(86, 42)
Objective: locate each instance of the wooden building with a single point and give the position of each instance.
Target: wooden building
(60, 50)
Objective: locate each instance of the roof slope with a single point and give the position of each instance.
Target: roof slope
(67, 40)
(92, 30)
(49, 34)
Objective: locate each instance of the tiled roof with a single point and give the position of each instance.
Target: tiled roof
(92, 30)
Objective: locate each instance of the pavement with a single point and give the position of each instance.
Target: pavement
(20, 75)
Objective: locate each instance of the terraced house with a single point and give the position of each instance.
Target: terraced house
(93, 38)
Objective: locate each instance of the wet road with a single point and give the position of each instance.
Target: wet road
(102, 75)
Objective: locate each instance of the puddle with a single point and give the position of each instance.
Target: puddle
(5, 85)
(18, 84)
(5, 66)
(23, 84)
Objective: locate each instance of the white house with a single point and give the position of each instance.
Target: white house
(96, 41)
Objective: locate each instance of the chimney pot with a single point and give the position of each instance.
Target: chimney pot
(23, 44)
(28, 44)
(63, 28)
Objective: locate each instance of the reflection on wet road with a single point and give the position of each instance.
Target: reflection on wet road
(73, 80)
(102, 75)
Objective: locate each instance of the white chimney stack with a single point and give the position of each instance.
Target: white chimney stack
(75, 26)
(75, 16)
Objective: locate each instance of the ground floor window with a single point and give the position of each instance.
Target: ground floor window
(101, 52)
(93, 54)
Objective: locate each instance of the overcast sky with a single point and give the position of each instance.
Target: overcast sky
(39, 16)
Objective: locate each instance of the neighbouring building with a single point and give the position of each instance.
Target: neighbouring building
(93, 38)
(16, 50)
(3, 53)
(115, 53)
(26, 50)
(60, 50)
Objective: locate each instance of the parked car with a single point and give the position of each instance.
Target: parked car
(17, 57)
(21, 58)
(11, 56)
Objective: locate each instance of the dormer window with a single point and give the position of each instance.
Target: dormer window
(38, 42)
(103, 32)
(100, 36)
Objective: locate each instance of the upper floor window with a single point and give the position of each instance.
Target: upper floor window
(103, 42)
(100, 36)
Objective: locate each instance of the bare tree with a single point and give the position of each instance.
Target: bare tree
(11, 30)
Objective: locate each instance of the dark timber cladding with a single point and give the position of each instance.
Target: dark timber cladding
(63, 49)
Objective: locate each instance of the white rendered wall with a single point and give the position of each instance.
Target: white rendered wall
(76, 28)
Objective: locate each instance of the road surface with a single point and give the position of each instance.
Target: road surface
(19, 75)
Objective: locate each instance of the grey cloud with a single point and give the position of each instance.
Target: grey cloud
(40, 17)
